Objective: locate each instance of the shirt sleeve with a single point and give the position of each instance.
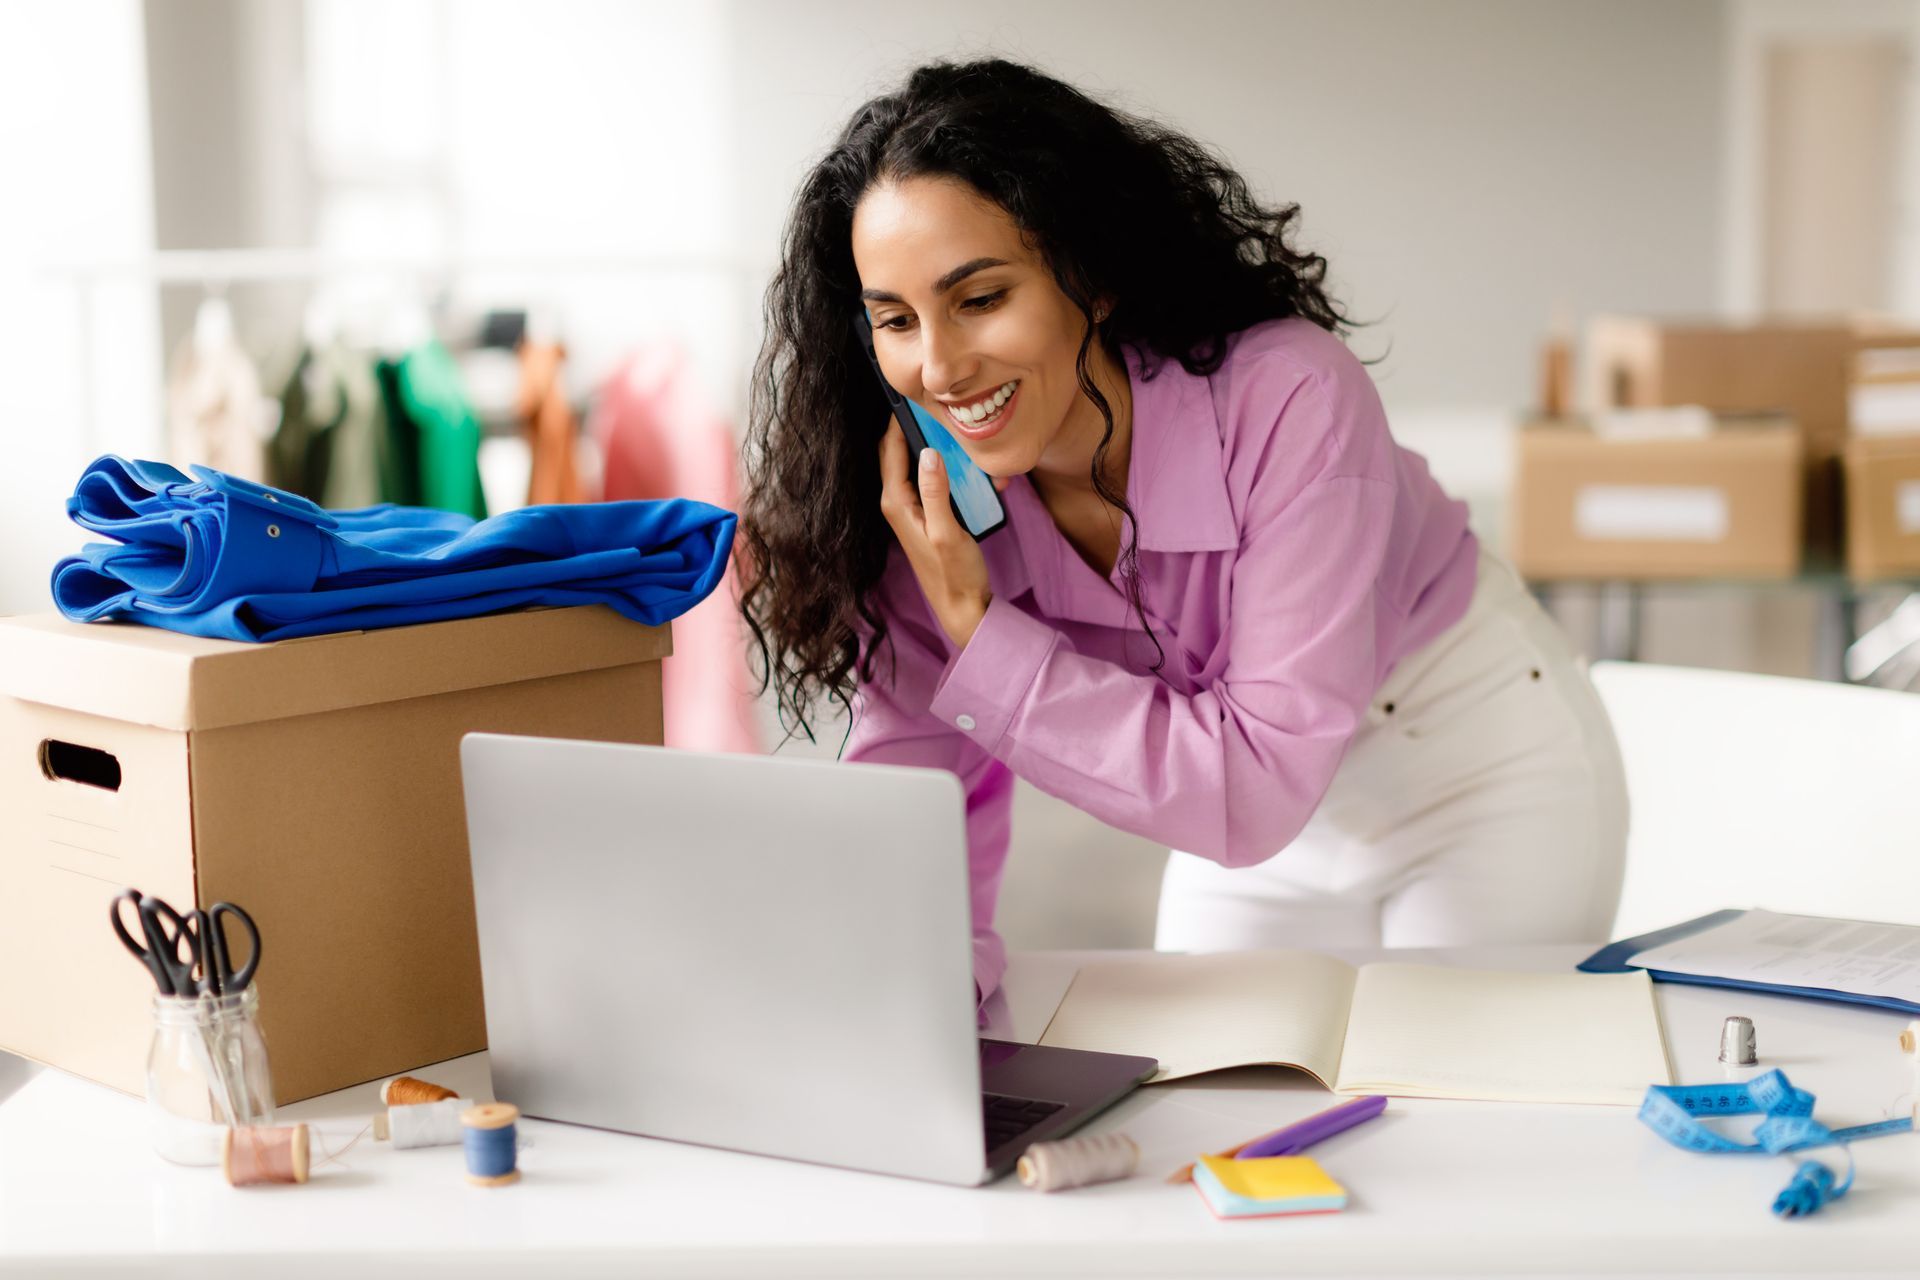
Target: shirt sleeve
(1233, 771)
(893, 724)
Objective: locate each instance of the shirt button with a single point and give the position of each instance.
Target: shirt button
(965, 722)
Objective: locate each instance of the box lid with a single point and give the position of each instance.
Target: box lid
(126, 671)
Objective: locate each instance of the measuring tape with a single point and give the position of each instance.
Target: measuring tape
(1676, 1112)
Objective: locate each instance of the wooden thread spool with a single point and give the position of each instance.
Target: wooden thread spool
(490, 1141)
(257, 1155)
(1910, 1045)
(1078, 1162)
(407, 1091)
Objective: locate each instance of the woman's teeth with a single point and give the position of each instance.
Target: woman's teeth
(986, 410)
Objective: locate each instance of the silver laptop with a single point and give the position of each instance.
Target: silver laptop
(763, 954)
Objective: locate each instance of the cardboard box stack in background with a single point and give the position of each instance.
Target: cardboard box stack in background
(1882, 466)
(314, 782)
(1797, 369)
(1724, 501)
(1814, 373)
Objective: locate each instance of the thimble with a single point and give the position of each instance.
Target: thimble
(1736, 1042)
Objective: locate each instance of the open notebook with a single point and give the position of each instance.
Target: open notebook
(1405, 1029)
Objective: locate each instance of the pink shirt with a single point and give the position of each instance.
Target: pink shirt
(1290, 553)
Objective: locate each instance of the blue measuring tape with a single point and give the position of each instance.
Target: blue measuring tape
(1676, 1112)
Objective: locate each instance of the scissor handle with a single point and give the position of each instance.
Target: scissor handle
(155, 965)
(231, 981)
(165, 946)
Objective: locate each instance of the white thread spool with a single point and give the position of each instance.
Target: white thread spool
(423, 1124)
(1078, 1162)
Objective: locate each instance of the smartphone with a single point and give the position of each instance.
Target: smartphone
(976, 504)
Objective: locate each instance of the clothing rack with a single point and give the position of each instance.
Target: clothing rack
(214, 269)
(229, 266)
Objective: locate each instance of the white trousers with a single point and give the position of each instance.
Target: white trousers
(1483, 802)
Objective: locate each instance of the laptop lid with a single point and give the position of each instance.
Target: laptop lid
(763, 954)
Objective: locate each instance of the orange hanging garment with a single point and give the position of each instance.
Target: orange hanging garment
(548, 421)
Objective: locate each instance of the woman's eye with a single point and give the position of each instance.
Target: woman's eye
(985, 300)
(892, 322)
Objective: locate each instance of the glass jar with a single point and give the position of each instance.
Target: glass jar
(206, 1070)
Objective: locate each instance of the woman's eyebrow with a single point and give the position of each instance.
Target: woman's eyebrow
(941, 285)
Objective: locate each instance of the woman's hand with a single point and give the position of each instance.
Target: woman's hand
(944, 556)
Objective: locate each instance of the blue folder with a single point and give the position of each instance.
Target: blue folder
(1613, 958)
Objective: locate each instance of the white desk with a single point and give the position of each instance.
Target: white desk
(1437, 1187)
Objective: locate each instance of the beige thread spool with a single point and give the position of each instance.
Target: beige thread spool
(1078, 1162)
(1910, 1045)
(265, 1155)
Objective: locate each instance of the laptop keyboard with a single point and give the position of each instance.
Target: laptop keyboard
(1009, 1118)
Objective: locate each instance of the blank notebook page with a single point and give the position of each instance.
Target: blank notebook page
(1426, 1032)
(1203, 1012)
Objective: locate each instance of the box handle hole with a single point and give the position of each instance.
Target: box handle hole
(69, 762)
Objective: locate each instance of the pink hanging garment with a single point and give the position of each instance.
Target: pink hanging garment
(660, 438)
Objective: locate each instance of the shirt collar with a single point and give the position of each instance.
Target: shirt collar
(1177, 475)
(1176, 484)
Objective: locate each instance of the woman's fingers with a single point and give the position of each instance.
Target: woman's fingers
(897, 491)
(936, 511)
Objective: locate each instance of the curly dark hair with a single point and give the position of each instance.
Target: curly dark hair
(1117, 206)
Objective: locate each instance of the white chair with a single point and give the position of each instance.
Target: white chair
(1799, 796)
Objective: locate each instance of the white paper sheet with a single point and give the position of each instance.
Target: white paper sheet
(1853, 956)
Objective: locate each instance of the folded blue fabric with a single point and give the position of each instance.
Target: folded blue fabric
(224, 557)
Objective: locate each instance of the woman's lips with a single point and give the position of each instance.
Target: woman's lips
(991, 428)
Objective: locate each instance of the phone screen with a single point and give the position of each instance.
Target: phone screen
(976, 504)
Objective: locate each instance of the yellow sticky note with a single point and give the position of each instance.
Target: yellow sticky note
(1283, 1178)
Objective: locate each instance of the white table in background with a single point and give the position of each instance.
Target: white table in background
(1437, 1187)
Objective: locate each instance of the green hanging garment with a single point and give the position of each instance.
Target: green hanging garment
(432, 458)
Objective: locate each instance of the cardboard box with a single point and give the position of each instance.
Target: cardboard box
(1806, 370)
(1800, 370)
(314, 782)
(1723, 505)
(1883, 507)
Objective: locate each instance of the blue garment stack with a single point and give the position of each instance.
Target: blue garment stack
(230, 559)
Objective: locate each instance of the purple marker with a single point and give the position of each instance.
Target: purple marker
(1295, 1138)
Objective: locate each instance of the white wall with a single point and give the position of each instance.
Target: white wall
(1464, 166)
(73, 149)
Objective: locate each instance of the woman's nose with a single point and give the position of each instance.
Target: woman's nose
(946, 361)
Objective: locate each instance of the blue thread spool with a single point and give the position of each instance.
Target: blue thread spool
(490, 1142)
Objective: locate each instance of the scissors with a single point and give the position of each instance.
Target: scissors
(164, 930)
(217, 974)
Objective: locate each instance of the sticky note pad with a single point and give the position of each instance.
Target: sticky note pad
(1267, 1187)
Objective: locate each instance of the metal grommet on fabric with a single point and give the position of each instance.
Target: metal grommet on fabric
(966, 722)
(273, 531)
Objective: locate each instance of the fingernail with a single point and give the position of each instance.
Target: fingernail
(929, 460)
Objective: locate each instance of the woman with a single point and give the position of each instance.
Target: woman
(1226, 613)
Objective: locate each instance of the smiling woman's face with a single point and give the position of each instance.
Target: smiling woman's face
(968, 321)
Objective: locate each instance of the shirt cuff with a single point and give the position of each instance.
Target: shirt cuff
(988, 680)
